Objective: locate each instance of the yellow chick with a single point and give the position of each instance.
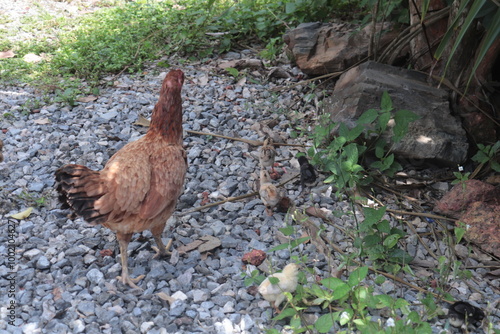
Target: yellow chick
(288, 280)
(268, 192)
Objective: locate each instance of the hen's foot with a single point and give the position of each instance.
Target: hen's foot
(162, 251)
(126, 280)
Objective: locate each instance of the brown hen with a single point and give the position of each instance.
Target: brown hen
(138, 188)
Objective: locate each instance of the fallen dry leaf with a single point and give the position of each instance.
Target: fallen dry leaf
(7, 54)
(23, 214)
(88, 98)
(493, 274)
(142, 121)
(209, 244)
(189, 247)
(242, 81)
(42, 121)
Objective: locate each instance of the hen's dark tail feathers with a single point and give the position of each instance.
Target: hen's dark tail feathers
(79, 188)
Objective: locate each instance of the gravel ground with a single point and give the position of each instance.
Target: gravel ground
(65, 270)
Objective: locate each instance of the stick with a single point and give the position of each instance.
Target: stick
(143, 121)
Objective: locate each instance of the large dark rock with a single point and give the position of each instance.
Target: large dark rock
(437, 135)
(321, 48)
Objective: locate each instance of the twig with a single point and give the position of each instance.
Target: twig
(421, 214)
(143, 121)
(229, 199)
(248, 141)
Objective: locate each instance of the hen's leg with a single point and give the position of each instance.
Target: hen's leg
(162, 250)
(123, 240)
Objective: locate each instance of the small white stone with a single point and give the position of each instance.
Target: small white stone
(146, 326)
(31, 253)
(179, 295)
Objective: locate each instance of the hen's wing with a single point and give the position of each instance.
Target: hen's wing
(141, 179)
(145, 179)
(167, 179)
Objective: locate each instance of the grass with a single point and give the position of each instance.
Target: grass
(124, 35)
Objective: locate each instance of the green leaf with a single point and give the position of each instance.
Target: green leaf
(459, 233)
(495, 147)
(400, 256)
(400, 303)
(380, 148)
(383, 120)
(343, 130)
(324, 323)
(495, 166)
(386, 103)
(367, 117)
(290, 7)
(425, 8)
(391, 240)
(341, 291)
(379, 279)
(384, 226)
(346, 316)
(351, 152)
(371, 240)
(389, 160)
(355, 132)
(288, 312)
(332, 282)
(279, 247)
(274, 280)
(295, 322)
(402, 118)
(296, 242)
(272, 331)
(385, 301)
(480, 157)
(357, 276)
(288, 230)
(232, 71)
(373, 216)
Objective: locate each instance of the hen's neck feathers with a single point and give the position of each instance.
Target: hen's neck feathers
(166, 119)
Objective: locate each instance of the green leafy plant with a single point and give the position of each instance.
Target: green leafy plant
(379, 241)
(487, 154)
(255, 278)
(343, 156)
(33, 199)
(67, 96)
